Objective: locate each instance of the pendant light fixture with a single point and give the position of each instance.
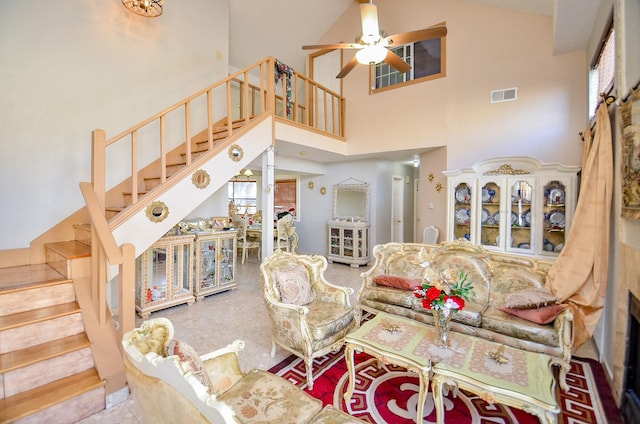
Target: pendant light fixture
(147, 8)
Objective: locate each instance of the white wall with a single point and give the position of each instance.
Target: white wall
(70, 67)
(317, 208)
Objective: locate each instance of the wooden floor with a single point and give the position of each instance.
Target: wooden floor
(21, 276)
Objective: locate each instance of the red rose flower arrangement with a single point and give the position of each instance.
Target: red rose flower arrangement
(447, 291)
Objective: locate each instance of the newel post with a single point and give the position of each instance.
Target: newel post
(98, 164)
(127, 289)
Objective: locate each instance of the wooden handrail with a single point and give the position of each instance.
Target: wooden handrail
(255, 89)
(104, 246)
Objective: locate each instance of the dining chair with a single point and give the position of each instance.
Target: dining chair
(287, 237)
(244, 242)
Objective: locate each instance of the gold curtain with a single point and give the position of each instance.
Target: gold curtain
(579, 275)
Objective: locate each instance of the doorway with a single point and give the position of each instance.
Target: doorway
(397, 209)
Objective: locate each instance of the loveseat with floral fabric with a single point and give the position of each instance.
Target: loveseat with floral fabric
(173, 384)
(508, 303)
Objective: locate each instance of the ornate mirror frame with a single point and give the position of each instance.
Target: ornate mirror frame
(351, 202)
(157, 211)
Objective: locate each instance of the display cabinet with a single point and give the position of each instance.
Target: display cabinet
(348, 230)
(348, 242)
(164, 275)
(215, 262)
(517, 205)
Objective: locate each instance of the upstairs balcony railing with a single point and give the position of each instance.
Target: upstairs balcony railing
(207, 117)
(204, 122)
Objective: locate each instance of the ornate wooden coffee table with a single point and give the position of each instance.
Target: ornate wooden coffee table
(392, 340)
(496, 373)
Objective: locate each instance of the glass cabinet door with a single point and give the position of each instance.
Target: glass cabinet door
(227, 249)
(462, 211)
(181, 283)
(207, 264)
(490, 233)
(521, 215)
(158, 274)
(334, 240)
(554, 210)
(348, 242)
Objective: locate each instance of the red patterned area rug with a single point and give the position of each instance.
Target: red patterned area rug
(389, 394)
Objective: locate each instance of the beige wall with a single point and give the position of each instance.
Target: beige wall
(432, 203)
(488, 48)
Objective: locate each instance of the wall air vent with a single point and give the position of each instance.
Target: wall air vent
(504, 95)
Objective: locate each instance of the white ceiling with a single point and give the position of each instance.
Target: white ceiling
(278, 28)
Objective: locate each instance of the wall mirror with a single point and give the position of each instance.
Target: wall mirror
(351, 202)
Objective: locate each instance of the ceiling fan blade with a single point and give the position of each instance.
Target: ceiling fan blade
(369, 17)
(348, 67)
(332, 46)
(395, 61)
(418, 35)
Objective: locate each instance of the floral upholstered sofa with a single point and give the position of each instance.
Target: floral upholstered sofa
(173, 384)
(508, 304)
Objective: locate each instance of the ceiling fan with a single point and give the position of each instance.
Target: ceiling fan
(373, 44)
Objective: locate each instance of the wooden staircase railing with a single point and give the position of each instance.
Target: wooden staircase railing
(241, 96)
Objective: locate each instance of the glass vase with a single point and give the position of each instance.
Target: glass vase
(441, 322)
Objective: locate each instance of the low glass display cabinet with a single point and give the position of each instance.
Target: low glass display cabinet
(215, 262)
(164, 275)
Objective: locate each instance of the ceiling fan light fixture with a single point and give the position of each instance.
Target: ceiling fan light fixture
(371, 55)
(370, 28)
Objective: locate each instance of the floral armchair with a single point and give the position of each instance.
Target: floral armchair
(309, 315)
(173, 384)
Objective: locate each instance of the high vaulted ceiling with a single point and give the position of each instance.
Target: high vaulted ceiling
(279, 28)
(260, 28)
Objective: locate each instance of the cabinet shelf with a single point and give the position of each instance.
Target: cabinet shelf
(515, 190)
(348, 242)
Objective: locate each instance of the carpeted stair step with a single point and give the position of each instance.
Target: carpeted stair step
(128, 198)
(22, 358)
(35, 295)
(111, 211)
(47, 402)
(31, 328)
(60, 254)
(83, 233)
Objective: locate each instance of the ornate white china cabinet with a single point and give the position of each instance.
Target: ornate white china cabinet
(512, 204)
(349, 229)
(164, 274)
(215, 262)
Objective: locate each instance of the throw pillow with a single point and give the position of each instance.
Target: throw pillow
(223, 371)
(190, 362)
(397, 281)
(542, 315)
(530, 298)
(294, 285)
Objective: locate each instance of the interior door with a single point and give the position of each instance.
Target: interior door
(397, 210)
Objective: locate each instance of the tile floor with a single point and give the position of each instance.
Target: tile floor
(222, 318)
